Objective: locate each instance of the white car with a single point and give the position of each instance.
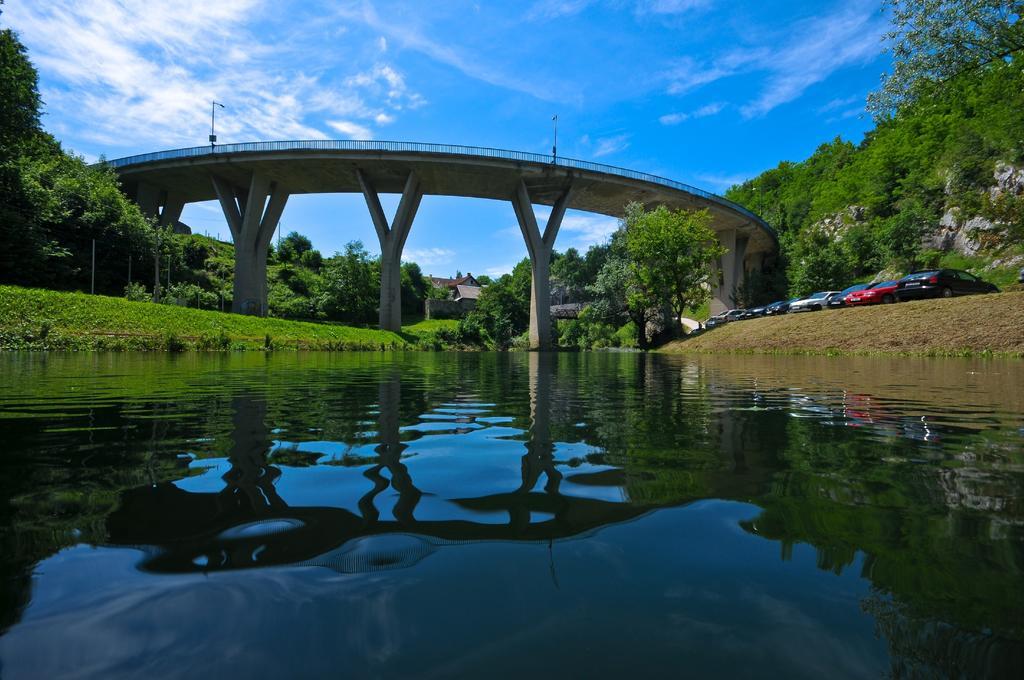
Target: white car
(814, 302)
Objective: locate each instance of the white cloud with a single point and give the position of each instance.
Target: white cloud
(605, 146)
(500, 270)
(671, 6)
(816, 48)
(578, 230)
(702, 112)
(823, 46)
(546, 10)
(709, 109)
(142, 74)
(428, 257)
(583, 231)
(387, 83)
(554, 9)
(839, 103)
(720, 182)
(473, 66)
(687, 74)
(350, 129)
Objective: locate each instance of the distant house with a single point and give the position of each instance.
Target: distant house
(467, 292)
(463, 291)
(452, 284)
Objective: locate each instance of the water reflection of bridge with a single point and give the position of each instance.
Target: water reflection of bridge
(248, 524)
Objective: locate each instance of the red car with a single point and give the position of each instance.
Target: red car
(883, 292)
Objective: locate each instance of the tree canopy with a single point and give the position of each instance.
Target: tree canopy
(934, 41)
(671, 253)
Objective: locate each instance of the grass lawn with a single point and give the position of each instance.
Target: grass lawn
(973, 325)
(44, 319)
(429, 326)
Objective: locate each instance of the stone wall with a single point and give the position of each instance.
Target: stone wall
(448, 309)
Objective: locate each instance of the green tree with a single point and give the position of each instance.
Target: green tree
(293, 246)
(20, 102)
(819, 262)
(617, 296)
(415, 288)
(934, 41)
(568, 270)
(671, 255)
(901, 234)
(349, 288)
(503, 310)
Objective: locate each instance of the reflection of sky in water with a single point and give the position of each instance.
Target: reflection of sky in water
(727, 512)
(683, 594)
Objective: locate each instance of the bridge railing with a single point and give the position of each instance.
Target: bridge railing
(421, 147)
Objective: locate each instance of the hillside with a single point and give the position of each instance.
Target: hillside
(958, 326)
(941, 183)
(37, 319)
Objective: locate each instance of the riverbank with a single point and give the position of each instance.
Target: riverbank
(977, 325)
(35, 319)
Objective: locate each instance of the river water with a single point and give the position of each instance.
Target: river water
(575, 515)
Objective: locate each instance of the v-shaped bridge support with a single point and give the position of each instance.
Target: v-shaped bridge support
(539, 247)
(392, 240)
(252, 213)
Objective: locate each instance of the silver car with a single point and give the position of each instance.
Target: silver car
(814, 302)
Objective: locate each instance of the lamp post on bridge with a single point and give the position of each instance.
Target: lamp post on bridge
(213, 122)
(554, 145)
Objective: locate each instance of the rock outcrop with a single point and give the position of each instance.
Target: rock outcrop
(837, 224)
(967, 236)
(1009, 180)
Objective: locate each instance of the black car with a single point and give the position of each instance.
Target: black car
(840, 300)
(779, 307)
(941, 283)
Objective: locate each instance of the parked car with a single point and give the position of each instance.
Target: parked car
(814, 302)
(754, 313)
(840, 300)
(779, 307)
(941, 283)
(882, 292)
(716, 320)
(735, 314)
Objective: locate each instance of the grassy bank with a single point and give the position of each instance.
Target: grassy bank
(976, 325)
(44, 319)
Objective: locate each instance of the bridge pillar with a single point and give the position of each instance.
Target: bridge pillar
(392, 241)
(166, 206)
(732, 269)
(252, 214)
(539, 248)
(724, 278)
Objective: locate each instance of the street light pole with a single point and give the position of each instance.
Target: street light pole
(554, 145)
(213, 122)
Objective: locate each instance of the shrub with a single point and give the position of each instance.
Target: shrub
(172, 343)
(136, 292)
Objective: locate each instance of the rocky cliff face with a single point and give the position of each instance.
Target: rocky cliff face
(969, 234)
(836, 225)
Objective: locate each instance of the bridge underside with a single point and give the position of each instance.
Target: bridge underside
(253, 189)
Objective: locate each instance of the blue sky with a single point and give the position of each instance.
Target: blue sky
(707, 92)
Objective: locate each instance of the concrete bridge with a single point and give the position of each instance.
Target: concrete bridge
(253, 181)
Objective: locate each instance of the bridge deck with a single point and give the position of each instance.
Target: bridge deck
(328, 166)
